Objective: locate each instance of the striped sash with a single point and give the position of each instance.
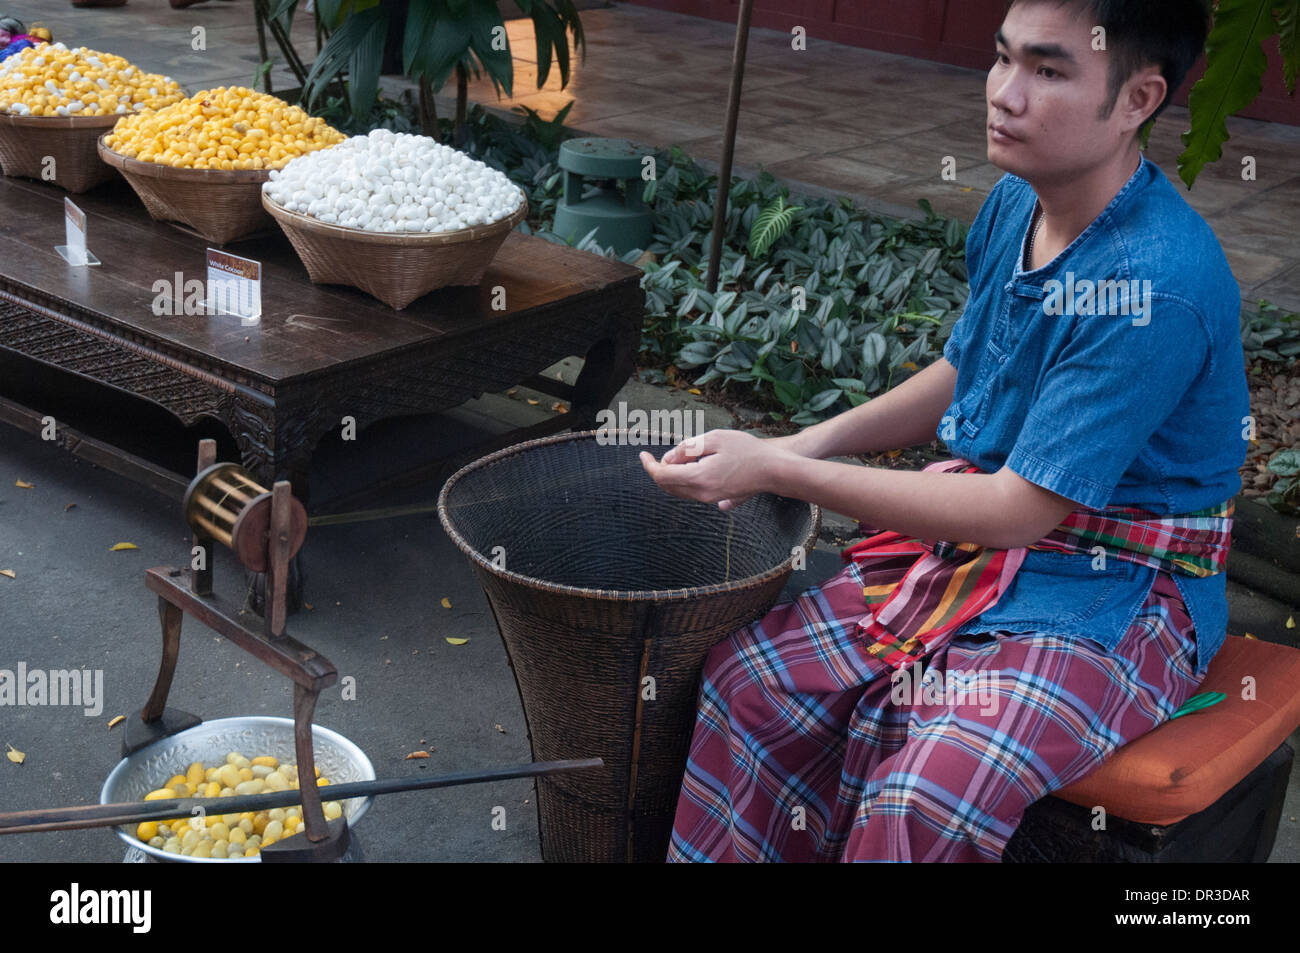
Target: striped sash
(950, 583)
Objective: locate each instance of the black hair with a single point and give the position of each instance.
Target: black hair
(1169, 34)
(13, 25)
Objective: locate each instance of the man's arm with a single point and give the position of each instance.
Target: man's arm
(1001, 510)
(907, 415)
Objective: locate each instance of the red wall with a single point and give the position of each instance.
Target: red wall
(949, 31)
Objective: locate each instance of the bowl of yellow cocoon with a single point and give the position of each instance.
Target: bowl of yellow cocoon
(56, 102)
(200, 163)
(231, 756)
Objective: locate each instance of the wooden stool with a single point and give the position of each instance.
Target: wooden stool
(1206, 787)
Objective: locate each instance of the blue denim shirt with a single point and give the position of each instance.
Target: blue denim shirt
(1129, 394)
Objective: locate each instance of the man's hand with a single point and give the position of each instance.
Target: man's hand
(726, 467)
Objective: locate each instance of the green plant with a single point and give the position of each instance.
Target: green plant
(1234, 72)
(441, 37)
(399, 115)
(548, 133)
(1285, 495)
(1270, 335)
(770, 224)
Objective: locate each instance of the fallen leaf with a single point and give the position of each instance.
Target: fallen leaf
(416, 755)
(8, 572)
(307, 605)
(559, 408)
(70, 506)
(511, 392)
(893, 453)
(533, 401)
(14, 755)
(1247, 635)
(117, 721)
(794, 347)
(499, 728)
(23, 485)
(118, 547)
(451, 641)
(1290, 622)
(446, 603)
(910, 365)
(968, 188)
(694, 390)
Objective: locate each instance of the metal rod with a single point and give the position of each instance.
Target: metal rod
(215, 508)
(729, 142)
(108, 815)
(238, 492)
(216, 532)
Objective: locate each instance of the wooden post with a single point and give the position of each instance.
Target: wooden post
(729, 142)
(201, 579)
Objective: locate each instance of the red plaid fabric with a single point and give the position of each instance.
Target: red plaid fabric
(951, 583)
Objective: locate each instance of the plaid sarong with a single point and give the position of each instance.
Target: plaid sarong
(951, 583)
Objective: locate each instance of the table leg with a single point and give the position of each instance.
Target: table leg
(609, 363)
(287, 456)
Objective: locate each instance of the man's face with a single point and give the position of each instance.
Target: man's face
(1045, 94)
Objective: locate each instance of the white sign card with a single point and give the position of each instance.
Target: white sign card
(234, 286)
(74, 230)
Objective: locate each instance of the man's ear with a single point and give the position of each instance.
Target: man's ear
(1141, 97)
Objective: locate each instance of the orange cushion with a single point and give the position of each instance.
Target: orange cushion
(1188, 763)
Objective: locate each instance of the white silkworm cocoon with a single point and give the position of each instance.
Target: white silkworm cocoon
(394, 182)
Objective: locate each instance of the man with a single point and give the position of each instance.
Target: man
(12, 39)
(1093, 396)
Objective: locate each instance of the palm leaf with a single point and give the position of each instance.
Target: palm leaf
(771, 224)
(332, 12)
(483, 16)
(1234, 74)
(365, 64)
(1288, 41)
(339, 49)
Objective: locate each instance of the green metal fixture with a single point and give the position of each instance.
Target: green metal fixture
(593, 169)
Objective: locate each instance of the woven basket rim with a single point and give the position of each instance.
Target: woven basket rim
(606, 595)
(315, 226)
(107, 120)
(154, 170)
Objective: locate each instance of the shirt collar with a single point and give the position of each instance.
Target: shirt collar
(1136, 182)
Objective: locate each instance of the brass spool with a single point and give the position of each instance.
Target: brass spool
(226, 504)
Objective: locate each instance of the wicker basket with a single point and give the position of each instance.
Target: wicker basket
(26, 142)
(607, 581)
(395, 267)
(221, 206)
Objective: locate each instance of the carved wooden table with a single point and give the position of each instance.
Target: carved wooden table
(320, 353)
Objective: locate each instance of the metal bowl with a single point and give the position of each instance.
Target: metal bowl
(149, 768)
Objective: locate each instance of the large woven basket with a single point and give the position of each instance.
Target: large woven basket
(395, 267)
(27, 141)
(608, 594)
(219, 205)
